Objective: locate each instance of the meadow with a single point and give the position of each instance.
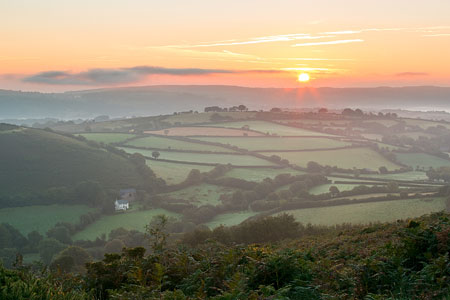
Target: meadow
(131, 220)
(422, 160)
(203, 131)
(233, 159)
(202, 194)
(259, 174)
(168, 143)
(271, 128)
(324, 188)
(365, 213)
(343, 158)
(230, 219)
(174, 173)
(277, 143)
(42, 217)
(194, 118)
(107, 138)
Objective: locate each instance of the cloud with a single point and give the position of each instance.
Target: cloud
(409, 74)
(124, 75)
(328, 43)
(437, 34)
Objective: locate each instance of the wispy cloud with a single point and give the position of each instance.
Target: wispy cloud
(124, 75)
(437, 34)
(315, 59)
(411, 74)
(328, 43)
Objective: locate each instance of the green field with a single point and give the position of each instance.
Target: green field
(107, 138)
(192, 118)
(202, 194)
(364, 213)
(259, 174)
(168, 143)
(234, 159)
(42, 217)
(174, 173)
(324, 188)
(271, 128)
(410, 176)
(277, 143)
(343, 158)
(129, 220)
(422, 160)
(230, 219)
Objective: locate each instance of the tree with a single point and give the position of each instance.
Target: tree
(323, 110)
(383, 170)
(156, 233)
(48, 248)
(275, 110)
(334, 191)
(72, 258)
(34, 238)
(114, 246)
(155, 154)
(60, 233)
(313, 167)
(242, 107)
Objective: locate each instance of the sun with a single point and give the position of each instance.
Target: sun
(303, 77)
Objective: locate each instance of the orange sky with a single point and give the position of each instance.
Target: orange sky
(256, 43)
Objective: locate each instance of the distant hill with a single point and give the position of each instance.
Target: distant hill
(155, 100)
(33, 161)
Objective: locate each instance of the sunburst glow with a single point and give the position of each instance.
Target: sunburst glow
(303, 77)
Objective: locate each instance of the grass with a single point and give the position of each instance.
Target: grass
(409, 176)
(230, 219)
(234, 159)
(205, 117)
(203, 131)
(168, 143)
(41, 217)
(135, 220)
(174, 173)
(422, 160)
(107, 138)
(259, 174)
(364, 213)
(324, 188)
(202, 194)
(34, 160)
(272, 128)
(277, 143)
(344, 158)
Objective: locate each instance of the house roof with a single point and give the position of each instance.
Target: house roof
(122, 201)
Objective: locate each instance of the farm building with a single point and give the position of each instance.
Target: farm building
(128, 194)
(121, 205)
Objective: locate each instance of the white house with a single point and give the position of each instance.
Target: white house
(122, 205)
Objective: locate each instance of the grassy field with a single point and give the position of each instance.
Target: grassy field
(344, 158)
(107, 138)
(324, 188)
(260, 173)
(174, 173)
(203, 131)
(189, 118)
(234, 159)
(272, 128)
(424, 124)
(41, 217)
(422, 160)
(202, 194)
(412, 175)
(129, 220)
(277, 143)
(364, 213)
(230, 219)
(168, 143)
(34, 160)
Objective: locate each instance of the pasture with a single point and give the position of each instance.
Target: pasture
(277, 143)
(42, 217)
(364, 213)
(271, 128)
(422, 160)
(203, 131)
(107, 138)
(343, 158)
(174, 173)
(324, 188)
(230, 219)
(234, 159)
(168, 143)
(193, 118)
(131, 220)
(202, 194)
(259, 174)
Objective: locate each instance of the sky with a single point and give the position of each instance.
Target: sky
(54, 45)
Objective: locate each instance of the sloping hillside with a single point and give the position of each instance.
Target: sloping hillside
(33, 161)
